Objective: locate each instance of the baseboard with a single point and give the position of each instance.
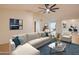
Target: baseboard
(4, 53)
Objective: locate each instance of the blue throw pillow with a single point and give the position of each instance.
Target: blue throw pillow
(16, 41)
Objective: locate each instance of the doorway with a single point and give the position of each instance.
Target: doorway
(37, 26)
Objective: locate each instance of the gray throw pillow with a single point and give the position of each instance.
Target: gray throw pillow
(43, 34)
(22, 41)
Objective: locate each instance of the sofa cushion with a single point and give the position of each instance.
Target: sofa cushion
(35, 42)
(23, 38)
(43, 34)
(45, 38)
(39, 41)
(66, 38)
(16, 41)
(32, 36)
(26, 49)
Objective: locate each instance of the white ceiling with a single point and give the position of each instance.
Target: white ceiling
(65, 9)
(34, 7)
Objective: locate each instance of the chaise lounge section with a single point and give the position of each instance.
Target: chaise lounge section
(26, 49)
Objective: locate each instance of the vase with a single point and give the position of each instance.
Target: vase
(57, 43)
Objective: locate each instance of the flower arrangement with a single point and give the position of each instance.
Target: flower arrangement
(57, 38)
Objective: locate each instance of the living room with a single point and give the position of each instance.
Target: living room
(32, 19)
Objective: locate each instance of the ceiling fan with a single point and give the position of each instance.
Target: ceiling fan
(48, 8)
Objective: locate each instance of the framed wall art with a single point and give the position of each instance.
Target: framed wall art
(16, 24)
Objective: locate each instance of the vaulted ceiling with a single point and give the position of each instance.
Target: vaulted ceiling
(65, 11)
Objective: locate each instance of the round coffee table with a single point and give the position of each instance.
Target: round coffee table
(57, 48)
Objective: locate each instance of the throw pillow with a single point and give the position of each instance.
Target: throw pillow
(43, 34)
(22, 41)
(16, 41)
(46, 34)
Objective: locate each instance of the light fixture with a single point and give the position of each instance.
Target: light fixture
(47, 10)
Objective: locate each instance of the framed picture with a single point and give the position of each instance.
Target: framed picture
(16, 24)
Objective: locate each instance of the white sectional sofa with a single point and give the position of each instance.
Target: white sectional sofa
(29, 43)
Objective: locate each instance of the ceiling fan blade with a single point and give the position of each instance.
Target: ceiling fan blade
(52, 10)
(52, 6)
(47, 5)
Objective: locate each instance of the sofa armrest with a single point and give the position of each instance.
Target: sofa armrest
(12, 46)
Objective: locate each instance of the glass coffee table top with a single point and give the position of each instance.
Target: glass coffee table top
(57, 47)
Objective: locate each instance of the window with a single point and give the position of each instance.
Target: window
(52, 27)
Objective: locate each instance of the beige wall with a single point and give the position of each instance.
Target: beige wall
(5, 32)
(41, 18)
